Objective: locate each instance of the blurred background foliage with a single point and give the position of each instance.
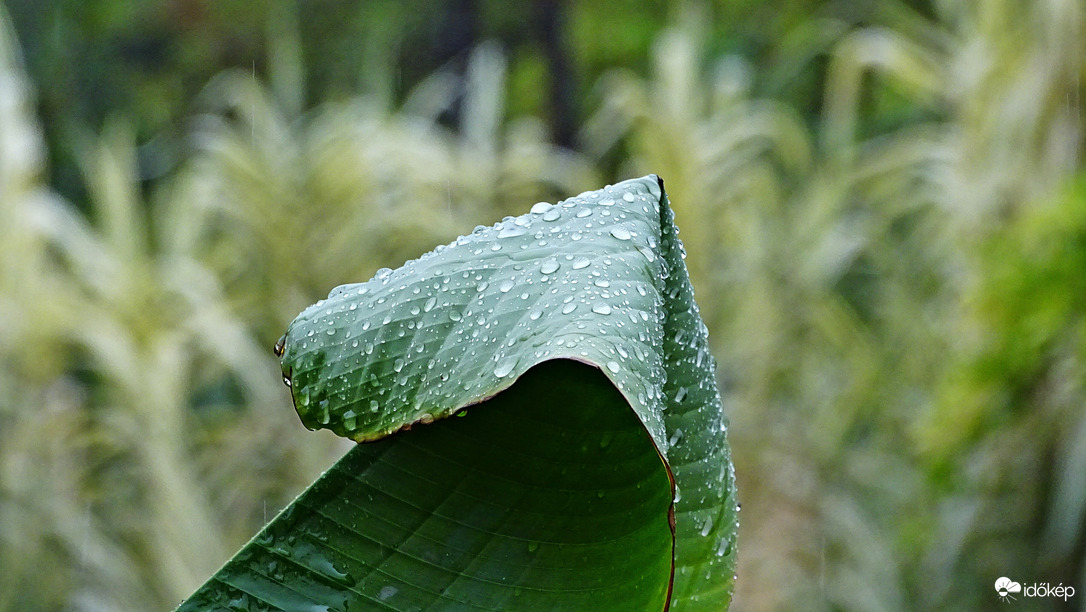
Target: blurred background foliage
(884, 205)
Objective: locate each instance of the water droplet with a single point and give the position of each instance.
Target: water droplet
(629, 197)
(620, 232)
(386, 592)
(552, 215)
(568, 308)
(707, 526)
(540, 207)
(581, 262)
(505, 366)
(675, 437)
(613, 366)
(549, 267)
(680, 395)
(455, 315)
(398, 364)
(607, 202)
(601, 308)
(584, 212)
(374, 406)
(510, 232)
(429, 304)
(506, 285)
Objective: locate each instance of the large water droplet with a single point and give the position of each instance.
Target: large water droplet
(581, 262)
(613, 366)
(675, 437)
(707, 526)
(601, 308)
(549, 267)
(568, 308)
(505, 366)
(429, 304)
(506, 285)
(620, 232)
(540, 207)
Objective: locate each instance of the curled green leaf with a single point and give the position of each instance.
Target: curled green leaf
(590, 469)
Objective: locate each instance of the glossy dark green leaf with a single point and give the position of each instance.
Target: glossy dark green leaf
(586, 467)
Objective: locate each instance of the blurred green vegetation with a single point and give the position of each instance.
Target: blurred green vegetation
(884, 205)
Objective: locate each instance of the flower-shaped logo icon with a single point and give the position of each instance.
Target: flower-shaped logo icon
(1005, 586)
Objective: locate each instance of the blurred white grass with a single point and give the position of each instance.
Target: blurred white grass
(146, 435)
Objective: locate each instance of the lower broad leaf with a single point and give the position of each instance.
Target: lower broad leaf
(549, 495)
